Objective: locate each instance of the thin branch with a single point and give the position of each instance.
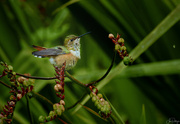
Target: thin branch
(82, 97)
(34, 77)
(42, 97)
(109, 69)
(5, 84)
(75, 80)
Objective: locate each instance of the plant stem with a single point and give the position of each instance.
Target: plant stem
(34, 77)
(5, 84)
(74, 80)
(109, 69)
(28, 108)
(77, 101)
(42, 97)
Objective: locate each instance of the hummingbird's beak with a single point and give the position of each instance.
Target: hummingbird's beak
(83, 34)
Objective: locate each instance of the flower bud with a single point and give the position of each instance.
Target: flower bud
(52, 113)
(56, 88)
(25, 83)
(96, 102)
(103, 109)
(92, 94)
(102, 100)
(123, 48)
(21, 79)
(61, 107)
(19, 96)
(59, 112)
(99, 95)
(127, 60)
(59, 87)
(120, 40)
(62, 102)
(10, 67)
(99, 106)
(94, 98)
(55, 106)
(11, 103)
(1, 116)
(41, 119)
(117, 47)
(48, 118)
(111, 36)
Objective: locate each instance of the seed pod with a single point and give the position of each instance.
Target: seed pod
(117, 47)
(19, 96)
(61, 107)
(41, 119)
(52, 113)
(92, 94)
(96, 102)
(99, 95)
(94, 98)
(56, 88)
(10, 67)
(48, 118)
(59, 87)
(123, 48)
(55, 106)
(59, 112)
(21, 79)
(120, 40)
(11, 103)
(127, 60)
(99, 106)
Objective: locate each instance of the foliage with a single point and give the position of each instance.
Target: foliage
(145, 92)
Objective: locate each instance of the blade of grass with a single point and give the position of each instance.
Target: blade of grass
(29, 111)
(143, 116)
(93, 112)
(65, 5)
(116, 113)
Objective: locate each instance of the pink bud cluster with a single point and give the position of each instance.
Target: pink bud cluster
(100, 102)
(121, 49)
(59, 87)
(17, 93)
(19, 87)
(58, 108)
(119, 45)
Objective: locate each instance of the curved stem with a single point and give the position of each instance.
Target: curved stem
(77, 101)
(109, 69)
(5, 84)
(42, 97)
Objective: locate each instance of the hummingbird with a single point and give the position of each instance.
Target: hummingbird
(70, 52)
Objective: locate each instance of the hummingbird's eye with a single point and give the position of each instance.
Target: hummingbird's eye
(71, 40)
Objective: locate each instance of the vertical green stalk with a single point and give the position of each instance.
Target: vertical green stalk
(28, 108)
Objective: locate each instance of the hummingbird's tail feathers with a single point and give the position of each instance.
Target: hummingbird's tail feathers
(37, 54)
(48, 53)
(38, 48)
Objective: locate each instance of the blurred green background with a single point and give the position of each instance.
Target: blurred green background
(146, 92)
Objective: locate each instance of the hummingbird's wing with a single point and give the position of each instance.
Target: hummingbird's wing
(45, 52)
